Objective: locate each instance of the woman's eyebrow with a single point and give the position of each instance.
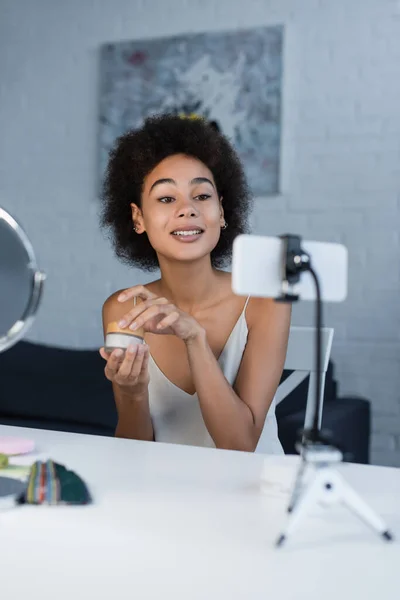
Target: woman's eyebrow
(193, 181)
(202, 180)
(160, 181)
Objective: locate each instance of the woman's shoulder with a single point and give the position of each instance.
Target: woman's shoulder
(113, 298)
(113, 309)
(265, 316)
(260, 308)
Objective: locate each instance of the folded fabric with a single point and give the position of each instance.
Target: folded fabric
(52, 483)
(3, 461)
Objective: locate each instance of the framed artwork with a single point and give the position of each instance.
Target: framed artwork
(234, 79)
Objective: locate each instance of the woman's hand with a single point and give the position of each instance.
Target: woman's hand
(129, 370)
(158, 315)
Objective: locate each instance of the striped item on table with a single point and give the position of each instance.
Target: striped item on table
(51, 483)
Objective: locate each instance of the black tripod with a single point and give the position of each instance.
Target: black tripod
(317, 452)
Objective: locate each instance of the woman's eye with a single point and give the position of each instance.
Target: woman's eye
(169, 199)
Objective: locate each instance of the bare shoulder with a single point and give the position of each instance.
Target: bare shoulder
(113, 299)
(113, 310)
(266, 312)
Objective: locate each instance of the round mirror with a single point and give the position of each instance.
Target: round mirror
(21, 282)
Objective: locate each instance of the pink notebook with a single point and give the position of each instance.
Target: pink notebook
(13, 446)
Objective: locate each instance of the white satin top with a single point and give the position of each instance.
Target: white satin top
(176, 415)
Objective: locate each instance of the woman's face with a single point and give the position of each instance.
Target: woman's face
(181, 211)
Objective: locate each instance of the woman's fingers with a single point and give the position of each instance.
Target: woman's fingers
(113, 362)
(136, 290)
(150, 313)
(132, 315)
(168, 320)
(126, 367)
(146, 357)
(138, 364)
(103, 354)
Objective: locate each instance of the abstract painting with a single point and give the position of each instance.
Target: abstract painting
(231, 78)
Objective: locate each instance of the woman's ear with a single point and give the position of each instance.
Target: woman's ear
(221, 213)
(137, 219)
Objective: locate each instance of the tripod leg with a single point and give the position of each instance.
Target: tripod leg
(309, 496)
(298, 483)
(360, 508)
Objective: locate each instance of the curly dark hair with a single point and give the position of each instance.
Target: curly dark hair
(138, 152)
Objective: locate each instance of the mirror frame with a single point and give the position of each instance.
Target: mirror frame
(21, 326)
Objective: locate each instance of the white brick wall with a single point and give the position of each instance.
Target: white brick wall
(340, 172)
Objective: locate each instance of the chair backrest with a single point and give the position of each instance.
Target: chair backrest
(300, 358)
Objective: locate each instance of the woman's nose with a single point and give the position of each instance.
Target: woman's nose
(187, 209)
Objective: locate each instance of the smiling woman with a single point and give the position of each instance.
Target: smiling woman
(175, 197)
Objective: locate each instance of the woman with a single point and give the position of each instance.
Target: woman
(175, 197)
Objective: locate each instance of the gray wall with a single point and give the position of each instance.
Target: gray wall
(340, 171)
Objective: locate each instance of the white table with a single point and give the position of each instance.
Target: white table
(190, 523)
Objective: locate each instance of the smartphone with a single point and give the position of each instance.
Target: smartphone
(257, 268)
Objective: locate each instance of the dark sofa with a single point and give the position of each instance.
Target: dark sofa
(66, 390)
(55, 388)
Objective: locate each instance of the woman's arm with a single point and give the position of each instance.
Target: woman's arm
(132, 403)
(235, 416)
(134, 420)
